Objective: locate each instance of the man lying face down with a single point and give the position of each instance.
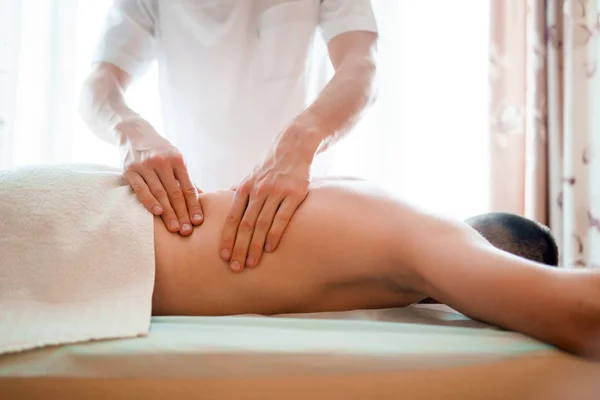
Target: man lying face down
(353, 246)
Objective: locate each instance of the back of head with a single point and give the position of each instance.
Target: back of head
(517, 235)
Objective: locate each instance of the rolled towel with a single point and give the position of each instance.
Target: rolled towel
(76, 257)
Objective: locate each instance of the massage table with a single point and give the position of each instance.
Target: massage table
(420, 352)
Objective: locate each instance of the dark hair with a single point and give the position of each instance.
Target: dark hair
(517, 235)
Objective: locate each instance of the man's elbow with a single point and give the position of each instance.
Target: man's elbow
(104, 82)
(85, 100)
(373, 86)
(101, 98)
(363, 70)
(369, 67)
(94, 84)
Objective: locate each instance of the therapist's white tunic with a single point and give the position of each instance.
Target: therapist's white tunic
(232, 73)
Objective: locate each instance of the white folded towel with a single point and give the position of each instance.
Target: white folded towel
(76, 257)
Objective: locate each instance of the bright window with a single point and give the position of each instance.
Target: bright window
(424, 140)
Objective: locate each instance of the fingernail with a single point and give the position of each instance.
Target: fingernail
(225, 254)
(236, 266)
(186, 228)
(250, 261)
(268, 247)
(157, 210)
(197, 218)
(174, 225)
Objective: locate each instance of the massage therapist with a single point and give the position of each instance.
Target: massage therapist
(233, 88)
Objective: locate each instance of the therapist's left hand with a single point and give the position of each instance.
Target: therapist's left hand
(263, 206)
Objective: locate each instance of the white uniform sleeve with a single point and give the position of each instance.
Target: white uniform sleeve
(339, 16)
(128, 37)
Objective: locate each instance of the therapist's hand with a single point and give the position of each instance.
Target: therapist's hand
(263, 206)
(157, 173)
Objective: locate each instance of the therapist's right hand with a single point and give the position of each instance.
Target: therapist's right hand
(157, 173)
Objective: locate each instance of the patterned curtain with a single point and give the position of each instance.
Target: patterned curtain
(545, 135)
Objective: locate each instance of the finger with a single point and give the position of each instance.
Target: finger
(240, 201)
(159, 192)
(143, 193)
(177, 199)
(280, 222)
(244, 234)
(190, 192)
(261, 229)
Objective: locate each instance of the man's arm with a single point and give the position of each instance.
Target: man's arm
(153, 167)
(125, 50)
(343, 100)
(266, 201)
(102, 103)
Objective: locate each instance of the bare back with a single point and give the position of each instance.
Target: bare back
(333, 256)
